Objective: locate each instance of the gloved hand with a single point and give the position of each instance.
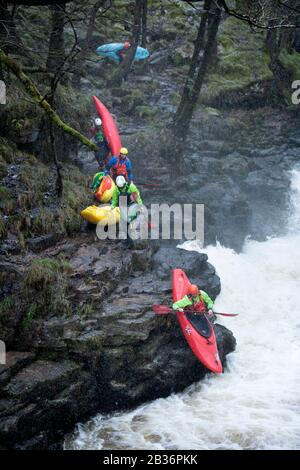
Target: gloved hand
(180, 310)
(210, 313)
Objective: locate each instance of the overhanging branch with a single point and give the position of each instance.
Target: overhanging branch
(32, 90)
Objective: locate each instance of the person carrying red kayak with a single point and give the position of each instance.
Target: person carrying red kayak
(196, 301)
(103, 149)
(120, 166)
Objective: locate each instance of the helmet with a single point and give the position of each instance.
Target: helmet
(124, 151)
(193, 289)
(120, 181)
(98, 122)
(127, 44)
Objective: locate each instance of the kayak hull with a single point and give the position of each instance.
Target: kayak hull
(110, 130)
(101, 215)
(110, 51)
(105, 190)
(204, 348)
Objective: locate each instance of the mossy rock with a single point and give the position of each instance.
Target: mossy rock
(291, 62)
(6, 307)
(45, 288)
(46, 271)
(145, 112)
(243, 60)
(131, 101)
(3, 231)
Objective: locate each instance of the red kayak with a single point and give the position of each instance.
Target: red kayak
(197, 329)
(110, 130)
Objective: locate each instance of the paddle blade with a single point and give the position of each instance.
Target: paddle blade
(161, 309)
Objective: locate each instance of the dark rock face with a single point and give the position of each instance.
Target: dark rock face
(112, 352)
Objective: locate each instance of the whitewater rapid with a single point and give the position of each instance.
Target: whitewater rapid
(255, 404)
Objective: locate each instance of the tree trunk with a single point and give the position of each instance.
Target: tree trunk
(91, 23)
(9, 39)
(144, 22)
(56, 53)
(199, 43)
(273, 46)
(187, 106)
(128, 59)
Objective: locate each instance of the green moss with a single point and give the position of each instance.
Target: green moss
(46, 271)
(291, 61)
(145, 112)
(34, 174)
(45, 287)
(7, 202)
(29, 317)
(6, 306)
(2, 228)
(8, 151)
(242, 59)
(175, 98)
(44, 223)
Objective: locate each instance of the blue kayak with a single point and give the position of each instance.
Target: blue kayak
(111, 51)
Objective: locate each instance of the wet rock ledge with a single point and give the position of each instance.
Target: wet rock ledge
(96, 345)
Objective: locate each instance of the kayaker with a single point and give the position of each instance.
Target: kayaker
(120, 166)
(124, 188)
(196, 300)
(122, 52)
(103, 149)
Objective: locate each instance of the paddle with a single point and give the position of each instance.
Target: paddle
(164, 309)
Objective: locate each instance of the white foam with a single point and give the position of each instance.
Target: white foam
(255, 404)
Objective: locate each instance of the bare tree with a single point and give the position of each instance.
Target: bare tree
(144, 22)
(261, 14)
(209, 24)
(56, 53)
(9, 38)
(136, 33)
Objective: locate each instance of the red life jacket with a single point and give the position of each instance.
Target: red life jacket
(200, 306)
(119, 169)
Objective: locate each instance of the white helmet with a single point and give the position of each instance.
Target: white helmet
(98, 122)
(120, 181)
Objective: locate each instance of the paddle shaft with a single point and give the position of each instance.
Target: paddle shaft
(164, 310)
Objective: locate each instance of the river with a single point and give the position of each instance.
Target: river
(255, 404)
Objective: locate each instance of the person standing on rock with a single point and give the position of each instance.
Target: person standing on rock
(196, 301)
(132, 208)
(129, 190)
(103, 149)
(120, 166)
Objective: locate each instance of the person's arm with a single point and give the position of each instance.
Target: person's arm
(109, 165)
(135, 194)
(129, 171)
(115, 198)
(182, 303)
(208, 301)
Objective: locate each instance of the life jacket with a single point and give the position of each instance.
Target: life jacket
(99, 137)
(198, 306)
(119, 169)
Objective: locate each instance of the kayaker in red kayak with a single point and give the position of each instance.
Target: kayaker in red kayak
(101, 142)
(196, 300)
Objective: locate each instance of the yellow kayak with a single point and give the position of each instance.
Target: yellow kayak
(101, 215)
